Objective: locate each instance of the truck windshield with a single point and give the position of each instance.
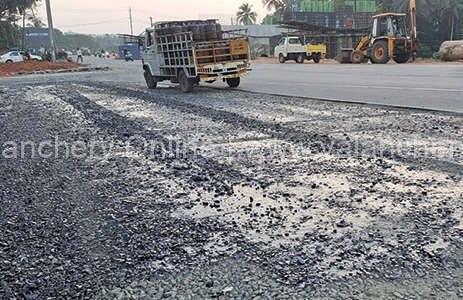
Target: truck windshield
(294, 41)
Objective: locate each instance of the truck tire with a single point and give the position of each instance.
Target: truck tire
(380, 53)
(233, 82)
(316, 57)
(281, 59)
(300, 58)
(186, 84)
(151, 82)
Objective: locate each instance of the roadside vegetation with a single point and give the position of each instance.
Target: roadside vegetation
(12, 13)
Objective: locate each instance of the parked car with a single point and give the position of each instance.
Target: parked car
(11, 57)
(32, 56)
(17, 56)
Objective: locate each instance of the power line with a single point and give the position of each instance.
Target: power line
(95, 23)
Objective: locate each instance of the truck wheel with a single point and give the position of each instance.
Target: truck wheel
(233, 82)
(402, 58)
(151, 82)
(316, 58)
(358, 57)
(186, 84)
(300, 58)
(379, 53)
(281, 59)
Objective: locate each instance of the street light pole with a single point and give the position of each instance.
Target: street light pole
(50, 31)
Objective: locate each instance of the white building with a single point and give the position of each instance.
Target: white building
(263, 38)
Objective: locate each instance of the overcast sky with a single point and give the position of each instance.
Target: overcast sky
(112, 16)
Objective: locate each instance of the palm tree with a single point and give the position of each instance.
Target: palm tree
(272, 4)
(245, 15)
(278, 6)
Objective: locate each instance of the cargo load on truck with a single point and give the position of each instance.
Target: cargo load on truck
(190, 52)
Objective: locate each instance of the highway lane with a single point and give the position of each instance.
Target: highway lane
(425, 86)
(428, 86)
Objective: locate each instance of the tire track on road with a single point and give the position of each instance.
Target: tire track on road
(198, 169)
(315, 142)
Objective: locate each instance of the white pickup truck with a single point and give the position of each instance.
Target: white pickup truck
(292, 48)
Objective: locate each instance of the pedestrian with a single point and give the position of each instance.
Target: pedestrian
(80, 56)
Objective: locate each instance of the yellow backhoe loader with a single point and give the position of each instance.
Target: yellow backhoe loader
(390, 38)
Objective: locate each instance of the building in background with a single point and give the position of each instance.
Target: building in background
(262, 38)
(36, 39)
(347, 14)
(338, 24)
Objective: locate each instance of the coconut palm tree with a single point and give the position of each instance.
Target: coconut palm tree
(278, 6)
(246, 15)
(272, 4)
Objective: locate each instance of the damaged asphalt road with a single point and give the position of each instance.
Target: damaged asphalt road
(225, 194)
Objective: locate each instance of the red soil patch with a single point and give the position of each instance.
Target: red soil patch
(31, 66)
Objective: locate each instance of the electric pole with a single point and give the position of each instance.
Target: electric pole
(24, 31)
(151, 20)
(50, 31)
(130, 18)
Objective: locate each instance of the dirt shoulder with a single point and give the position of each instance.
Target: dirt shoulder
(13, 69)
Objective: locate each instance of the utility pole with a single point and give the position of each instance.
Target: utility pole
(50, 31)
(130, 19)
(23, 46)
(151, 20)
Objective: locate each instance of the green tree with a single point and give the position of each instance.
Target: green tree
(279, 7)
(34, 20)
(268, 20)
(10, 12)
(246, 15)
(11, 8)
(437, 20)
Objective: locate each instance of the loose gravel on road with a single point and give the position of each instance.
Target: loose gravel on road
(225, 194)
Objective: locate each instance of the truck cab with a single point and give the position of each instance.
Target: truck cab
(294, 48)
(290, 48)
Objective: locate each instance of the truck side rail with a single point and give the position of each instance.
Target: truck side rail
(176, 51)
(228, 50)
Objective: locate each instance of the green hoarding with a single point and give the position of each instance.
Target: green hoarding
(330, 5)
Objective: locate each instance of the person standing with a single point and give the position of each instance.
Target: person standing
(80, 57)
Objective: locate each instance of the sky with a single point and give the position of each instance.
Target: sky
(112, 16)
